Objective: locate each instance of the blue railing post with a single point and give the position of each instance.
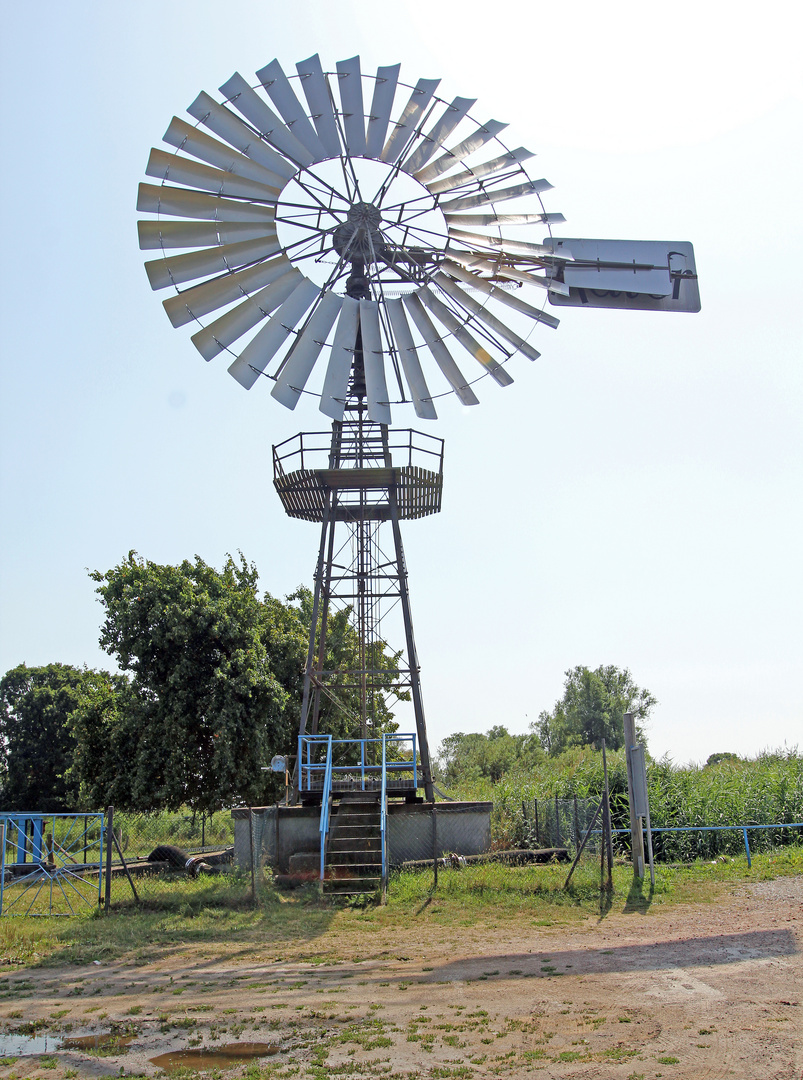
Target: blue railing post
(747, 848)
(383, 816)
(325, 794)
(2, 861)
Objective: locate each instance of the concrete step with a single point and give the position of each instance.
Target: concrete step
(305, 862)
(356, 831)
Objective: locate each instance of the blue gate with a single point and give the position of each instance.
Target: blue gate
(50, 864)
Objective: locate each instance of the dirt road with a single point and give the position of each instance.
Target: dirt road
(714, 990)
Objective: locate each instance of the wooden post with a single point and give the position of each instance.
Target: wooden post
(537, 833)
(557, 823)
(636, 833)
(109, 842)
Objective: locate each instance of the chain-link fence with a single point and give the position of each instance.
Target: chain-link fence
(233, 856)
(168, 858)
(558, 823)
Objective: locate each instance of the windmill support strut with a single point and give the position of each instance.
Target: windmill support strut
(361, 488)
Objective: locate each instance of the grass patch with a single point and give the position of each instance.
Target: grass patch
(489, 895)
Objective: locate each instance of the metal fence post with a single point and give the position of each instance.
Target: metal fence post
(576, 826)
(109, 826)
(251, 837)
(636, 834)
(2, 862)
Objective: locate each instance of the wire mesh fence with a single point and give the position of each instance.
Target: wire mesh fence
(261, 851)
(557, 823)
(159, 859)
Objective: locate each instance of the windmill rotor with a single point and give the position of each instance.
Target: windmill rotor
(291, 197)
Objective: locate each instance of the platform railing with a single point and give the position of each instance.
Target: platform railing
(363, 774)
(311, 450)
(326, 800)
(383, 817)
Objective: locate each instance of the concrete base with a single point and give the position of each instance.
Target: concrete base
(415, 831)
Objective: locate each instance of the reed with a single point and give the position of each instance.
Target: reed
(765, 790)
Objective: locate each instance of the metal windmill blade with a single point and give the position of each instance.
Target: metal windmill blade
(299, 191)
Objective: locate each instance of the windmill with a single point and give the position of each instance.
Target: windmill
(360, 241)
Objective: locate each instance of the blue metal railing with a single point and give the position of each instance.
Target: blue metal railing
(317, 772)
(326, 797)
(54, 862)
(720, 828)
(312, 770)
(383, 815)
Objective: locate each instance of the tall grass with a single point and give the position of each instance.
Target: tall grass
(766, 790)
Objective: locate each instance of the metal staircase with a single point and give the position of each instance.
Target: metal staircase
(353, 797)
(353, 857)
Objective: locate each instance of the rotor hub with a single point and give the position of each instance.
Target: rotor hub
(359, 237)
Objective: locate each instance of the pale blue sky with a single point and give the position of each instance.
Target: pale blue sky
(635, 497)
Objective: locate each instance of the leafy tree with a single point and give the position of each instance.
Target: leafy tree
(216, 681)
(717, 759)
(36, 734)
(209, 662)
(591, 710)
(490, 756)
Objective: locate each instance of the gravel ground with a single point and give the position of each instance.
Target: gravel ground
(714, 990)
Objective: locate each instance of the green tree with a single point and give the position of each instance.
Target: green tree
(591, 710)
(490, 756)
(214, 672)
(717, 759)
(38, 743)
(216, 680)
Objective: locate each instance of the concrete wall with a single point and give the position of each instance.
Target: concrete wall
(460, 827)
(297, 831)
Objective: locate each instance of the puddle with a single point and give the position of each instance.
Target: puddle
(12, 1045)
(219, 1057)
(19, 1045)
(109, 1042)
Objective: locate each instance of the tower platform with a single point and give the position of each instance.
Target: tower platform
(305, 479)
